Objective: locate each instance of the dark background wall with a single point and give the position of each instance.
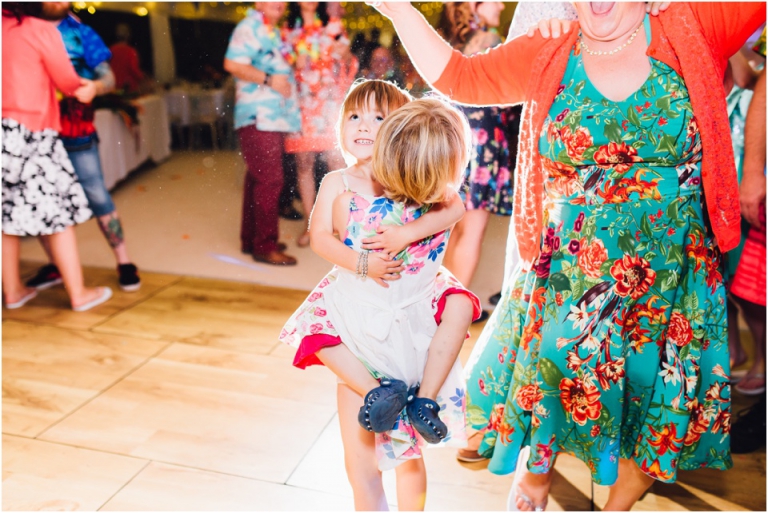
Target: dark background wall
(104, 23)
(198, 43)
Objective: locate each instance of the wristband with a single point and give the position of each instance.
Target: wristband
(266, 78)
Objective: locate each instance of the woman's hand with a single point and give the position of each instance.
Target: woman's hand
(87, 91)
(381, 268)
(391, 9)
(553, 27)
(656, 7)
(751, 195)
(280, 84)
(390, 239)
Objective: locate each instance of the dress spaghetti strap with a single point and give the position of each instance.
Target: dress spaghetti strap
(344, 179)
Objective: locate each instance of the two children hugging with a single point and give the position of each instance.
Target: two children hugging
(388, 320)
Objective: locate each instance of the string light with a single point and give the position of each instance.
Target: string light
(91, 9)
(141, 11)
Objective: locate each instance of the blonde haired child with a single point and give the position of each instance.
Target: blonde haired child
(394, 338)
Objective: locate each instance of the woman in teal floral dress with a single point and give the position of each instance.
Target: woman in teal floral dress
(627, 261)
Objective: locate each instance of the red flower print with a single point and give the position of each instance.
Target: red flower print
(481, 175)
(553, 133)
(560, 117)
(594, 431)
(314, 297)
(497, 416)
(617, 156)
(722, 422)
(624, 125)
(532, 331)
(516, 294)
(316, 328)
(647, 104)
(679, 331)
(639, 109)
(581, 399)
(564, 177)
(414, 267)
(652, 218)
(482, 137)
(319, 312)
(665, 440)
(559, 299)
(501, 357)
(574, 361)
(633, 276)
(591, 257)
(655, 470)
(670, 231)
(576, 143)
(696, 250)
(698, 424)
(662, 121)
(481, 386)
(527, 396)
(610, 372)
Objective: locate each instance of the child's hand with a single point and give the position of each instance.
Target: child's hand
(381, 268)
(550, 27)
(390, 239)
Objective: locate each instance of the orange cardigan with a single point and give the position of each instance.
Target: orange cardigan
(695, 39)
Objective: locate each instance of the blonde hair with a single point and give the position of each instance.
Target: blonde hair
(422, 149)
(386, 96)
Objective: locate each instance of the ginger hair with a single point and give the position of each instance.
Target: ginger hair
(421, 150)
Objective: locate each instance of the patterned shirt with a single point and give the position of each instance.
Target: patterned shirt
(259, 45)
(86, 51)
(760, 44)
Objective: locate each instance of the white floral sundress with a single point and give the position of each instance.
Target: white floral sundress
(388, 329)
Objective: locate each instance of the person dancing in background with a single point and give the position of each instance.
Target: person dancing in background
(367, 322)
(487, 185)
(315, 57)
(41, 194)
(749, 288)
(618, 351)
(265, 110)
(89, 55)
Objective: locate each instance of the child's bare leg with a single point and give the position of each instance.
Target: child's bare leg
(411, 481)
(446, 344)
(340, 360)
(359, 454)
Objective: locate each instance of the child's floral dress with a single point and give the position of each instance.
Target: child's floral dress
(388, 329)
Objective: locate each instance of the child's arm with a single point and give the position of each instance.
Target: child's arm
(394, 239)
(332, 210)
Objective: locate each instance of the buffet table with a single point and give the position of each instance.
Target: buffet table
(123, 150)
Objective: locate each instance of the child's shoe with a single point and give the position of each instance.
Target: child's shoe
(423, 414)
(383, 405)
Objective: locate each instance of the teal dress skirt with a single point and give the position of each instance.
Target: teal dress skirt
(615, 344)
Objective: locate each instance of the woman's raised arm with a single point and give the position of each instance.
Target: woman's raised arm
(427, 50)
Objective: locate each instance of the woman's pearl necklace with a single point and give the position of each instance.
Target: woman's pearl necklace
(617, 50)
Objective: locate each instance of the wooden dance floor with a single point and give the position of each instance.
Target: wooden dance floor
(179, 397)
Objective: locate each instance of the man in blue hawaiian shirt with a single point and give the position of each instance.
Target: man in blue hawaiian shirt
(265, 110)
(89, 56)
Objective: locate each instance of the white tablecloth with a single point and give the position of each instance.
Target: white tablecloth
(122, 150)
(191, 106)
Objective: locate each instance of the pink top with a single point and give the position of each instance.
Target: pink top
(35, 64)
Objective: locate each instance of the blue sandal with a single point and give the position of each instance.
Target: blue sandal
(383, 405)
(423, 414)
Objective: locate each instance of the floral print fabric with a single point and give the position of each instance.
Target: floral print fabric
(389, 329)
(488, 181)
(614, 345)
(41, 194)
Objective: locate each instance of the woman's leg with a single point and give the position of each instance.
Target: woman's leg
(340, 360)
(734, 336)
(534, 486)
(411, 479)
(67, 259)
(754, 315)
(13, 289)
(463, 252)
(446, 344)
(630, 486)
(359, 454)
(305, 163)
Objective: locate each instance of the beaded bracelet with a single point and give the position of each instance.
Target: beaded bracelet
(362, 264)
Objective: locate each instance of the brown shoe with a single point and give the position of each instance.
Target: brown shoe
(275, 258)
(281, 246)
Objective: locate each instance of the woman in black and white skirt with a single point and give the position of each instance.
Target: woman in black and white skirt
(41, 194)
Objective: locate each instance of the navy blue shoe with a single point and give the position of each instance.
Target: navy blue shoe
(423, 414)
(383, 405)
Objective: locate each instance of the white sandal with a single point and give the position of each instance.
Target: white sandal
(514, 492)
(23, 301)
(105, 295)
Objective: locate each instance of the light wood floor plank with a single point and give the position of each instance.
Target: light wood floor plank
(39, 475)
